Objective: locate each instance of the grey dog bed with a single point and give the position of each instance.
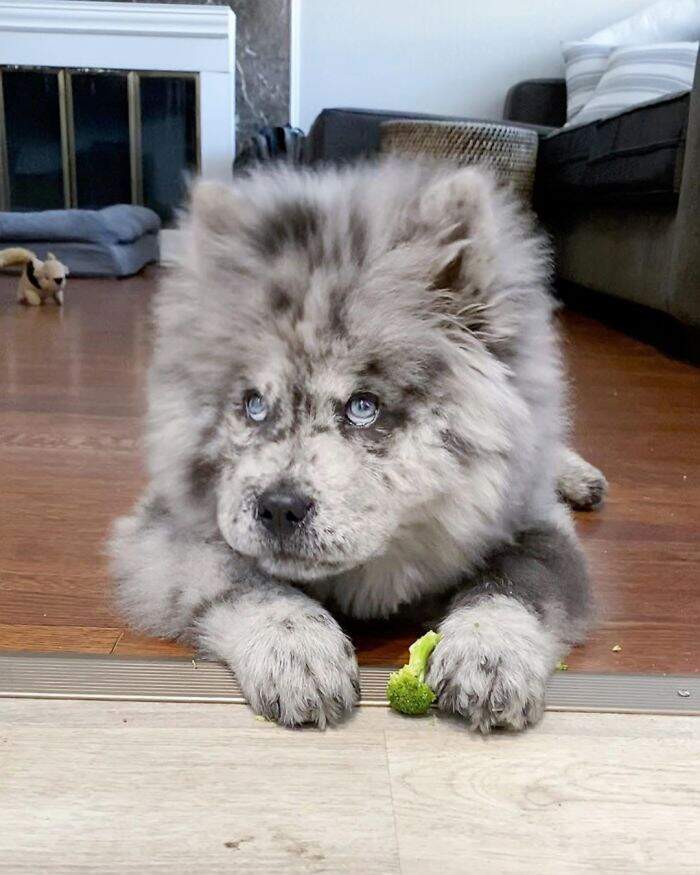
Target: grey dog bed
(114, 241)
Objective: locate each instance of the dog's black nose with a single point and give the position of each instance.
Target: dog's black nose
(281, 511)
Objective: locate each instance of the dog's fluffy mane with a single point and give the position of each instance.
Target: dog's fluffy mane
(438, 269)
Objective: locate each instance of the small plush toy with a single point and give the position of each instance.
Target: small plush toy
(39, 279)
(407, 690)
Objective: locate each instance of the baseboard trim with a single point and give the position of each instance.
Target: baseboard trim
(82, 676)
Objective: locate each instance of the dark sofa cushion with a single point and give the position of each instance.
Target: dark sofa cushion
(537, 101)
(635, 156)
(341, 135)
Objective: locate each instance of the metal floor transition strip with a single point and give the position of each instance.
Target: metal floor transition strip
(62, 676)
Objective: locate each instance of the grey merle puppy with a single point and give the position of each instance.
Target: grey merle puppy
(356, 404)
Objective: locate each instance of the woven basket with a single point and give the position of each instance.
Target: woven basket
(511, 153)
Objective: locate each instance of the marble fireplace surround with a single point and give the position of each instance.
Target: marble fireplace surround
(137, 36)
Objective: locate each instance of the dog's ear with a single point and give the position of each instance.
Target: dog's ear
(215, 218)
(214, 207)
(457, 208)
(448, 268)
(490, 269)
(51, 257)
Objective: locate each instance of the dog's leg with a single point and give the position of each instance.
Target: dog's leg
(579, 483)
(293, 662)
(505, 633)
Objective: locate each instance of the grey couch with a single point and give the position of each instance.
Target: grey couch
(621, 196)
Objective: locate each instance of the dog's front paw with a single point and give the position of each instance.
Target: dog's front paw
(492, 664)
(581, 485)
(298, 667)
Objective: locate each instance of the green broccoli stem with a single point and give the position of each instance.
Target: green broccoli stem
(419, 654)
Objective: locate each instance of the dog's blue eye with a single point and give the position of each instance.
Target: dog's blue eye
(362, 410)
(256, 407)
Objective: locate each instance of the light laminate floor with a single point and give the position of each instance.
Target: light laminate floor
(150, 787)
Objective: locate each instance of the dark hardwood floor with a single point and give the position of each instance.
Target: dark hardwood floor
(71, 397)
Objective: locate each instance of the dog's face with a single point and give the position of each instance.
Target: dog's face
(328, 441)
(338, 395)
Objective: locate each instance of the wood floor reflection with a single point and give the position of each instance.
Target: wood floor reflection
(71, 398)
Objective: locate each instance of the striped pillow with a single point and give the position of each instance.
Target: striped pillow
(637, 74)
(585, 64)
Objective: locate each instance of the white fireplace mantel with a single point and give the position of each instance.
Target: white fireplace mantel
(136, 36)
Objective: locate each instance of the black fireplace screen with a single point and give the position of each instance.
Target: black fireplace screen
(90, 138)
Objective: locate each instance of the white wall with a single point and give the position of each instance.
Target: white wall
(457, 57)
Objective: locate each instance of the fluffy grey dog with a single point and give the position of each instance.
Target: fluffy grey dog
(356, 404)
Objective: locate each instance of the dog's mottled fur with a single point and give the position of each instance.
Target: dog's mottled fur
(426, 287)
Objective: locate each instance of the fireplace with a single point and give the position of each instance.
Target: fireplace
(105, 103)
(97, 137)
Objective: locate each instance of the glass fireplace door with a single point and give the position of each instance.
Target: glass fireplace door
(169, 140)
(101, 141)
(33, 176)
(91, 138)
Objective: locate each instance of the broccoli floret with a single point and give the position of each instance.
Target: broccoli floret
(408, 694)
(407, 690)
